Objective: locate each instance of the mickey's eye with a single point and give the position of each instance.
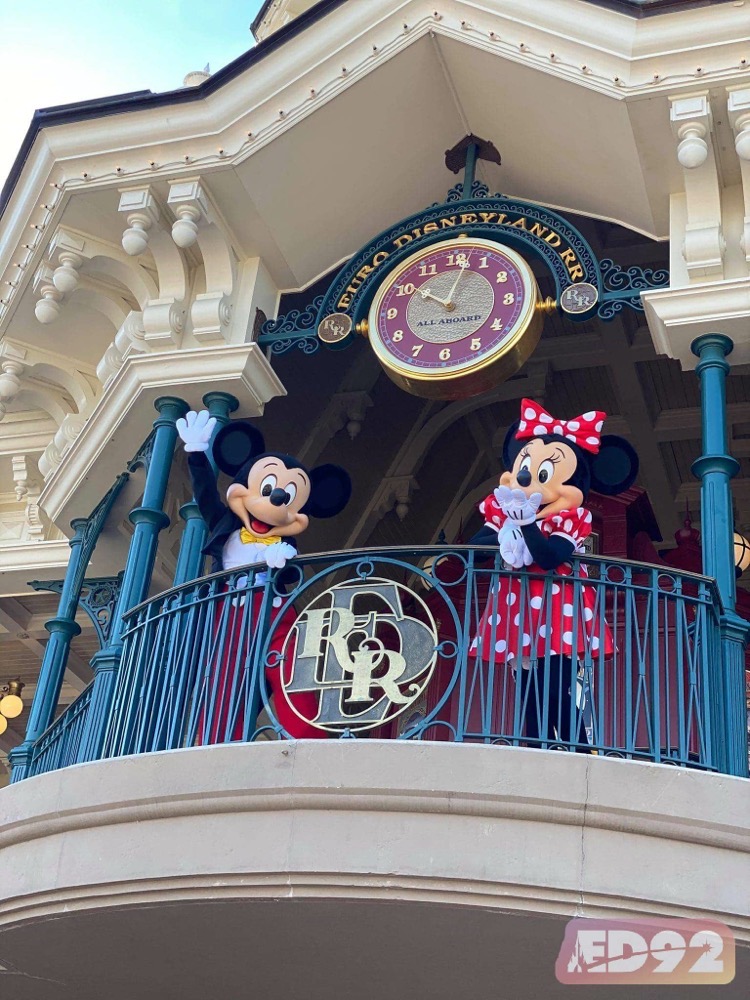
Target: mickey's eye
(546, 471)
(291, 492)
(526, 463)
(268, 486)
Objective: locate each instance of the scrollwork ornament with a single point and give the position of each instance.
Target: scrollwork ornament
(619, 279)
(296, 321)
(478, 190)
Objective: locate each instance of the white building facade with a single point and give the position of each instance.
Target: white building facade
(160, 252)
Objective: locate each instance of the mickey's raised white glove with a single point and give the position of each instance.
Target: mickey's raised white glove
(276, 555)
(513, 548)
(195, 430)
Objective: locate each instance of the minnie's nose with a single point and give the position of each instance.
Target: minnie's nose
(278, 497)
(524, 478)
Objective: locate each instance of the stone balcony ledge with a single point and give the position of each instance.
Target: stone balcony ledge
(373, 824)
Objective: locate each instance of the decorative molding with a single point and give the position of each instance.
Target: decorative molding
(676, 316)
(13, 365)
(130, 337)
(198, 222)
(738, 107)
(607, 53)
(123, 413)
(703, 244)
(70, 251)
(141, 212)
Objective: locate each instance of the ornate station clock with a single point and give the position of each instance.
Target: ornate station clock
(456, 318)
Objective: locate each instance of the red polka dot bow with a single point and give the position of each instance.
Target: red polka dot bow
(585, 431)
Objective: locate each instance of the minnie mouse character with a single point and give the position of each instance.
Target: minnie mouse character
(269, 503)
(537, 518)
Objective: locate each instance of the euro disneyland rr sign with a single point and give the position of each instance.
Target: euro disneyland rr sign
(449, 299)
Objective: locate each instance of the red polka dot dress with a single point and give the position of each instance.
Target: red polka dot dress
(528, 616)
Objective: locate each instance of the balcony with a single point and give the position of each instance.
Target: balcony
(197, 816)
(422, 644)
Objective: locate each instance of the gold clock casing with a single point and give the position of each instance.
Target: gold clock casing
(490, 368)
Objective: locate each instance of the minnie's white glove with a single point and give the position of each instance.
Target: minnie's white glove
(513, 547)
(195, 430)
(517, 506)
(276, 555)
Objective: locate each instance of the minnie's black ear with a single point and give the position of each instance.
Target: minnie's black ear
(235, 445)
(330, 493)
(615, 468)
(511, 446)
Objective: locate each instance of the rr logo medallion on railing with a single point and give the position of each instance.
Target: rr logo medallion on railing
(358, 650)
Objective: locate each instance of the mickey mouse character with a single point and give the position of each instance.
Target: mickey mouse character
(537, 518)
(271, 499)
(269, 504)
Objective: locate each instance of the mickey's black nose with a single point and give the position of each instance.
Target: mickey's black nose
(278, 497)
(523, 478)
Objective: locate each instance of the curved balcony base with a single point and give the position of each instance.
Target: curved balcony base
(326, 869)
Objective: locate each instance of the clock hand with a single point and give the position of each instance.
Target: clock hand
(427, 294)
(448, 303)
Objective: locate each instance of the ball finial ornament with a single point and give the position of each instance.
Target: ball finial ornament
(134, 241)
(65, 278)
(47, 310)
(742, 140)
(692, 151)
(184, 229)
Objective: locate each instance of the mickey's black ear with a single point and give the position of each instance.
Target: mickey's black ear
(235, 445)
(511, 446)
(615, 468)
(330, 493)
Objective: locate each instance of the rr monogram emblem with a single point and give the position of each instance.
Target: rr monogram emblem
(356, 648)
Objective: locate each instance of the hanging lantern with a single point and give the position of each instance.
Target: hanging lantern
(741, 553)
(11, 705)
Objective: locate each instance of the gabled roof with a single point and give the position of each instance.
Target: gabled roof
(139, 100)
(636, 8)
(643, 8)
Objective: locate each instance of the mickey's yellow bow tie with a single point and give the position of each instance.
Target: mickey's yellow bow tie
(249, 537)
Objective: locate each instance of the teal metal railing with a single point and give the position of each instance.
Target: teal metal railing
(429, 643)
(60, 744)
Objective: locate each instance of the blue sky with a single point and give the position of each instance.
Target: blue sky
(52, 52)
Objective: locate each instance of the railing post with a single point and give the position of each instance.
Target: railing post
(715, 468)
(190, 560)
(149, 519)
(62, 628)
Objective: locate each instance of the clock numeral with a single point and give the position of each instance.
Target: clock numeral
(476, 344)
(457, 260)
(428, 270)
(445, 354)
(416, 349)
(483, 263)
(497, 324)
(392, 313)
(502, 276)
(398, 336)
(408, 289)
(509, 299)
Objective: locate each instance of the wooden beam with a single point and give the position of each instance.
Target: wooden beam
(12, 618)
(684, 423)
(634, 408)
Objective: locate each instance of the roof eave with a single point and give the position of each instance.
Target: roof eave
(142, 100)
